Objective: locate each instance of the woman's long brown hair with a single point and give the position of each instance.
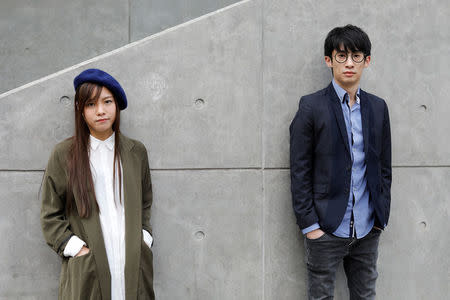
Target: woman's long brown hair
(78, 165)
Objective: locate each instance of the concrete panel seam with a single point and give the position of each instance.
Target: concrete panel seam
(421, 166)
(169, 169)
(227, 169)
(129, 21)
(207, 169)
(396, 167)
(263, 156)
(263, 241)
(263, 151)
(21, 171)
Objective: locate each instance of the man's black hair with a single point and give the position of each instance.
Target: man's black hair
(349, 37)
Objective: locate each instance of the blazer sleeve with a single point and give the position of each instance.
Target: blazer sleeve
(301, 165)
(147, 193)
(386, 164)
(55, 226)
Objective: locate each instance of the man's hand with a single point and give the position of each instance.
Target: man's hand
(315, 234)
(84, 250)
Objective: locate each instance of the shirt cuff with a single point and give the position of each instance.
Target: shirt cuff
(73, 246)
(148, 239)
(310, 228)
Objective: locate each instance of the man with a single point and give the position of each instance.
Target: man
(340, 160)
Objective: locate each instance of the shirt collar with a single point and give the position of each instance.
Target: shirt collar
(109, 142)
(341, 92)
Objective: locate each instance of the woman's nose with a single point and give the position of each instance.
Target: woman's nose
(100, 109)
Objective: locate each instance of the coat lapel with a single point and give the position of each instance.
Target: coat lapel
(133, 216)
(133, 227)
(365, 115)
(337, 109)
(93, 230)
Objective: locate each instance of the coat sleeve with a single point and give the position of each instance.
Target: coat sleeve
(386, 164)
(147, 194)
(55, 226)
(301, 164)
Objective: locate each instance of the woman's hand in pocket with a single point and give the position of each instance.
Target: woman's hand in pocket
(84, 250)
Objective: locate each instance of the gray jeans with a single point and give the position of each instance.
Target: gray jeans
(359, 256)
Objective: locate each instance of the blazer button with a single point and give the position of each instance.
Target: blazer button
(349, 168)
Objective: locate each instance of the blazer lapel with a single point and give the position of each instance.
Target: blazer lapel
(365, 115)
(133, 216)
(337, 109)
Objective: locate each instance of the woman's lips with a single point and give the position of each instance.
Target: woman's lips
(102, 120)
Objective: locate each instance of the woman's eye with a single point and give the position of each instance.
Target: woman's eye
(90, 104)
(108, 101)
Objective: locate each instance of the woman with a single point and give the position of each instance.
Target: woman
(96, 200)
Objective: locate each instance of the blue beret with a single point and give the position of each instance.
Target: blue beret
(104, 79)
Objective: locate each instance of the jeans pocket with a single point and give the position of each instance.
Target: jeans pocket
(321, 238)
(376, 230)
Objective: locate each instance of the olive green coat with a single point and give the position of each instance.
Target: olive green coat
(88, 277)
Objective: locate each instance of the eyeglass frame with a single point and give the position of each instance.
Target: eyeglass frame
(346, 57)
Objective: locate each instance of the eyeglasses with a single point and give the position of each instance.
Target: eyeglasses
(357, 57)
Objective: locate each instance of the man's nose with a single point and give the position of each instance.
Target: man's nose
(349, 63)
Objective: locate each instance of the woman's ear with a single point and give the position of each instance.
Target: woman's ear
(77, 108)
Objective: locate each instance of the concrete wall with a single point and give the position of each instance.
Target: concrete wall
(38, 38)
(212, 100)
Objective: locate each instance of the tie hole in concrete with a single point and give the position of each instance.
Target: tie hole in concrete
(199, 235)
(199, 103)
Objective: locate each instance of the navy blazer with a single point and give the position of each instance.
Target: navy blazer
(321, 163)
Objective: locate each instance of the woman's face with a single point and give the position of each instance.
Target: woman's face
(100, 115)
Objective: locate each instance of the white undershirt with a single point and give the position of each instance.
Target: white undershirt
(112, 216)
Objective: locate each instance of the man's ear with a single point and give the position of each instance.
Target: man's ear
(367, 61)
(328, 61)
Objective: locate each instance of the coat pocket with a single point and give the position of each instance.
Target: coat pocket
(146, 273)
(81, 280)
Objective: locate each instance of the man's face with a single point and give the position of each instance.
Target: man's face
(347, 66)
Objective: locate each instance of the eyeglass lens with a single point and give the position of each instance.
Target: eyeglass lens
(342, 57)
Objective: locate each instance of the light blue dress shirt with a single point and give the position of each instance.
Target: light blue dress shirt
(362, 208)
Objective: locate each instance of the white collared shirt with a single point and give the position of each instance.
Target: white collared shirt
(112, 215)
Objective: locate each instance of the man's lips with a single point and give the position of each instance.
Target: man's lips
(349, 73)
